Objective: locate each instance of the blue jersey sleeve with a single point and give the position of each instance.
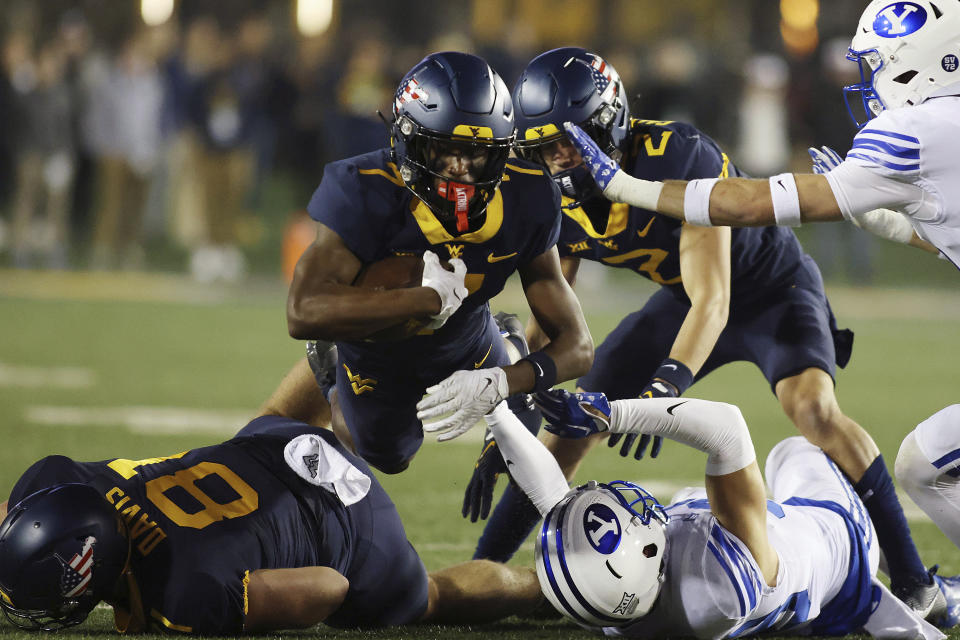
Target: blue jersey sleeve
(205, 604)
(549, 234)
(353, 212)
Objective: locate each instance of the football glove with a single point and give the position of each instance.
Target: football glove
(479, 494)
(670, 380)
(601, 166)
(824, 159)
(654, 389)
(469, 395)
(573, 415)
(449, 285)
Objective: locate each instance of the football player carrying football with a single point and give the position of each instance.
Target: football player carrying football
(444, 190)
(280, 527)
(745, 294)
(720, 563)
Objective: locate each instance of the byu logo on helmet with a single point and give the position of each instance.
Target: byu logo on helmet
(899, 19)
(602, 527)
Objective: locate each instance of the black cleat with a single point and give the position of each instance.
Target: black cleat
(927, 600)
(322, 358)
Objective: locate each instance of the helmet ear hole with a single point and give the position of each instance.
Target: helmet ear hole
(650, 550)
(905, 77)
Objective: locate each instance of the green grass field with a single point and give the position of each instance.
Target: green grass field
(138, 366)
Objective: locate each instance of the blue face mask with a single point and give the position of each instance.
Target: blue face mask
(863, 95)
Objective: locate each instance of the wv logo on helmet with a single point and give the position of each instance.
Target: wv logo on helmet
(899, 19)
(602, 528)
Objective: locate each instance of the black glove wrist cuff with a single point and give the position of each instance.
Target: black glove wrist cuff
(676, 373)
(544, 368)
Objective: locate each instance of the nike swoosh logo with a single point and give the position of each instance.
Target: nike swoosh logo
(670, 366)
(782, 186)
(646, 229)
(477, 365)
(509, 463)
(492, 258)
(671, 408)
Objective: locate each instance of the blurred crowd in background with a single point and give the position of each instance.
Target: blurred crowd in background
(189, 134)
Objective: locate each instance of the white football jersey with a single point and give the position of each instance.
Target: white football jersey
(713, 587)
(910, 159)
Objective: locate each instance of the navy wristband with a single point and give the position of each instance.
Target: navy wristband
(676, 373)
(544, 370)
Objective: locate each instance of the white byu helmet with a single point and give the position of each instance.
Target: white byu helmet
(906, 52)
(600, 554)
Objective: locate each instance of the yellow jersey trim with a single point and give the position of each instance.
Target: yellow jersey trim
(434, 232)
(725, 171)
(394, 177)
(616, 222)
(532, 172)
(246, 598)
(169, 625)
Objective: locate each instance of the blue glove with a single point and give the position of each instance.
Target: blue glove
(573, 415)
(824, 159)
(601, 166)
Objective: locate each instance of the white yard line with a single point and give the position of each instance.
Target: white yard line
(29, 377)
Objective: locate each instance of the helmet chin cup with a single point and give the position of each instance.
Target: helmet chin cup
(578, 184)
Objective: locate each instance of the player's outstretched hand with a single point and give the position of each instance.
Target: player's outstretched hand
(601, 166)
(824, 159)
(479, 494)
(449, 285)
(573, 415)
(467, 396)
(654, 389)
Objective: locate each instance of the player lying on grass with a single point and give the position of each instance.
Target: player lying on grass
(280, 527)
(722, 563)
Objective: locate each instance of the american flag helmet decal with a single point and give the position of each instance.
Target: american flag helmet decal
(605, 78)
(78, 571)
(410, 91)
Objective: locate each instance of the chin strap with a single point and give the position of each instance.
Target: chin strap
(460, 194)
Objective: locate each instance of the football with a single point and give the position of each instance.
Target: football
(393, 272)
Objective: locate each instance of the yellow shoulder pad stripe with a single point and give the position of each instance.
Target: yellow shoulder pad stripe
(533, 172)
(394, 177)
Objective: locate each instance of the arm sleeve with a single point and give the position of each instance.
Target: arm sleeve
(530, 464)
(716, 428)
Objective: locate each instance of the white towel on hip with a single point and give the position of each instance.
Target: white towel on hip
(320, 464)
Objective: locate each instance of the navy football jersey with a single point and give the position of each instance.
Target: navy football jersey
(643, 241)
(363, 199)
(201, 521)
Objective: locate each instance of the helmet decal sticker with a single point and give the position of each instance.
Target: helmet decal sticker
(78, 571)
(602, 527)
(899, 19)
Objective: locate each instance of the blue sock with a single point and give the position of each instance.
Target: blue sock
(876, 490)
(514, 516)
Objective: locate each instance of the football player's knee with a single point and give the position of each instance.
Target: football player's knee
(391, 467)
(912, 469)
(814, 414)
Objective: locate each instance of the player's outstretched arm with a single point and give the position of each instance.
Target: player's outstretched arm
(293, 598)
(321, 304)
(734, 484)
(786, 199)
(536, 338)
